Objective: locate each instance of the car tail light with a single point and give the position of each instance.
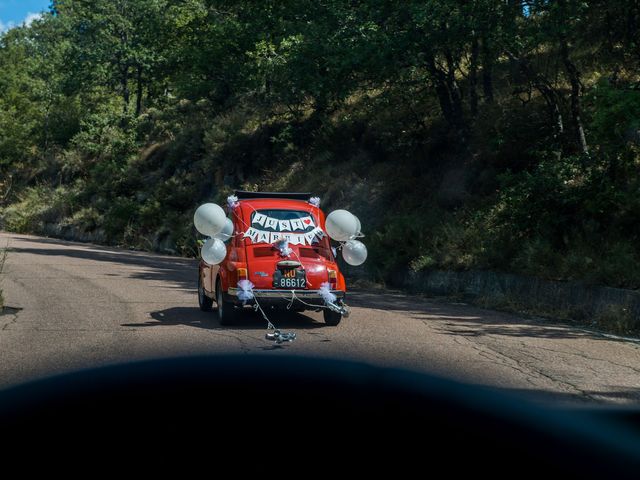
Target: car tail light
(333, 279)
(242, 274)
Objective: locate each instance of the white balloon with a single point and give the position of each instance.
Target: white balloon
(209, 219)
(213, 251)
(354, 252)
(341, 225)
(227, 231)
(359, 229)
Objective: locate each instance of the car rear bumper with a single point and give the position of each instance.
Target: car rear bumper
(284, 296)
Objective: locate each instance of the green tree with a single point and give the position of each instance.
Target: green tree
(115, 44)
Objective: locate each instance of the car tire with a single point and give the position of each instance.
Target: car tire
(226, 311)
(331, 318)
(205, 302)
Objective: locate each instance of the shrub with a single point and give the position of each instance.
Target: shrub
(616, 115)
(38, 206)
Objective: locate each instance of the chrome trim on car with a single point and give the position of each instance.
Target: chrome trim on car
(286, 294)
(289, 264)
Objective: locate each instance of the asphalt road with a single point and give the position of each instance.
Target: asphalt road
(70, 306)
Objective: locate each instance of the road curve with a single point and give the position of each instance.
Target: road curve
(70, 306)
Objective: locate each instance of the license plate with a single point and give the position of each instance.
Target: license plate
(287, 283)
(289, 279)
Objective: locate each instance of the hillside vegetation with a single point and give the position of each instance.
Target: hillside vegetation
(483, 134)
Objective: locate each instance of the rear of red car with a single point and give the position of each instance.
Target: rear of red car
(259, 254)
(278, 256)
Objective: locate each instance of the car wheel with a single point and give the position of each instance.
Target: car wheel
(226, 310)
(331, 318)
(205, 302)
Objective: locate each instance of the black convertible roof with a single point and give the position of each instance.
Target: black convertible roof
(244, 195)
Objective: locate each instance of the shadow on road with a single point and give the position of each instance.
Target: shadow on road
(6, 310)
(514, 327)
(468, 320)
(189, 316)
(181, 272)
(246, 320)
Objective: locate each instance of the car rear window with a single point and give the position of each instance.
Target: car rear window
(290, 221)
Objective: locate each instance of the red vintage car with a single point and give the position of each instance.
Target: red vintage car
(283, 275)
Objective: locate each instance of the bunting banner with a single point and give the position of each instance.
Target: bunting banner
(262, 236)
(271, 223)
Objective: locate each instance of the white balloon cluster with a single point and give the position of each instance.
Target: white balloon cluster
(211, 221)
(343, 226)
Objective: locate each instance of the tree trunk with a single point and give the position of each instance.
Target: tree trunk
(576, 89)
(473, 76)
(440, 84)
(454, 92)
(556, 113)
(633, 35)
(124, 83)
(487, 71)
(140, 91)
(553, 103)
(544, 86)
(447, 90)
(123, 62)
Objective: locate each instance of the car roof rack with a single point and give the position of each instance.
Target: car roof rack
(244, 195)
